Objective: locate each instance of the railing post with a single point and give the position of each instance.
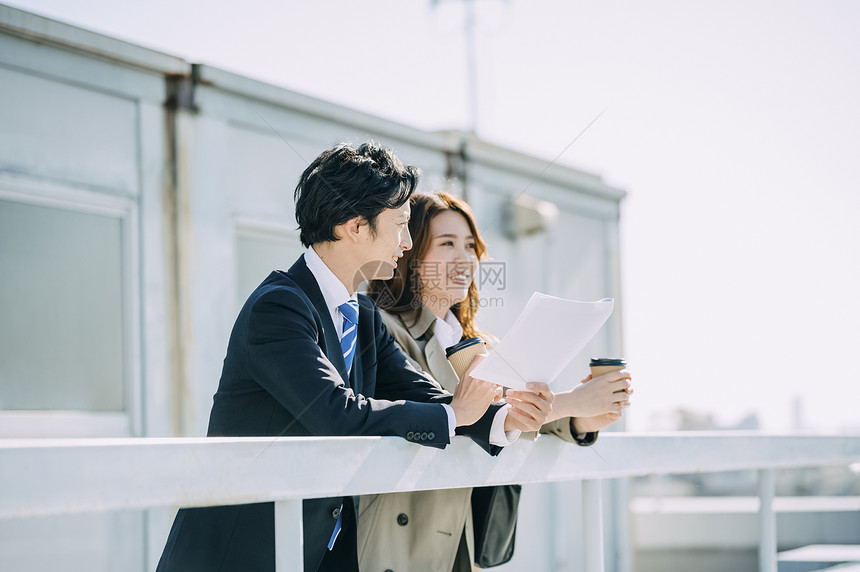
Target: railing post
(288, 536)
(767, 521)
(592, 524)
(620, 538)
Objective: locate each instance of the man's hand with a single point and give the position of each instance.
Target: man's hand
(529, 409)
(609, 393)
(596, 423)
(472, 396)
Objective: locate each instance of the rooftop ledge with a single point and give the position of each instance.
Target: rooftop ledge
(57, 476)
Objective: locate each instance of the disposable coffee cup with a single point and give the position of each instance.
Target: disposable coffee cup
(461, 354)
(601, 366)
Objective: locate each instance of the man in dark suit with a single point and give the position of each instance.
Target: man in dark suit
(309, 357)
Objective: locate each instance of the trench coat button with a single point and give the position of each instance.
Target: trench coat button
(410, 435)
(431, 435)
(402, 519)
(335, 513)
(423, 436)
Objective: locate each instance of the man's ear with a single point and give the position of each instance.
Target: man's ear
(350, 230)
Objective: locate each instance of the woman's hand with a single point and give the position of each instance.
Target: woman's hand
(528, 409)
(472, 396)
(608, 393)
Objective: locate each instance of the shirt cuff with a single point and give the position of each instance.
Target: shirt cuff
(498, 435)
(583, 439)
(452, 419)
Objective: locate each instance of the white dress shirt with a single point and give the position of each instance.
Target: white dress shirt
(333, 291)
(449, 331)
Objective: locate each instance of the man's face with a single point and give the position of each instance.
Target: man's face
(392, 239)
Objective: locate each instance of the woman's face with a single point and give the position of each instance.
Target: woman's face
(449, 266)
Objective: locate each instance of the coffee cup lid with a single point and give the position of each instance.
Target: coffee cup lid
(463, 345)
(597, 362)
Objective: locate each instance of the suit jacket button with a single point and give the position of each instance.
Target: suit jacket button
(431, 435)
(402, 519)
(410, 435)
(335, 513)
(423, 436)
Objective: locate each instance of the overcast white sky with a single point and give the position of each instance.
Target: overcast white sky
(733, 125)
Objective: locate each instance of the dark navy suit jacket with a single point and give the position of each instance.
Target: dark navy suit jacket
(284, 374)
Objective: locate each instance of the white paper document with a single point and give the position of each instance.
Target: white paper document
(547, 335)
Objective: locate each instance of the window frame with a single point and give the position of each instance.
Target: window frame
(261, 229)
(78, 423)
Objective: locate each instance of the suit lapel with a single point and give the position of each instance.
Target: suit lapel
(355, 376)
(366, 329)
(302, 276)
(439, 365)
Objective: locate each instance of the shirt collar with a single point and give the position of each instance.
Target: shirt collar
(333, 291)
(448, 331)
(422, 320)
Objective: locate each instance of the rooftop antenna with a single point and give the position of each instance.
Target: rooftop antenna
(471, 61)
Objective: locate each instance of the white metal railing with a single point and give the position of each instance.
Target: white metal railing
(56, 476)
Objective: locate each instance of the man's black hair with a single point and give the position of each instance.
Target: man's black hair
(345, 182)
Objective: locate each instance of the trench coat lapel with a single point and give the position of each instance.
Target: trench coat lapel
(423, 326)
(439, 365)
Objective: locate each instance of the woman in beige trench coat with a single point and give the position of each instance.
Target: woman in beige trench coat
(429, 305)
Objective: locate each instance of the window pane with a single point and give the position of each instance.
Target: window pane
(258, 255)
(61, 319)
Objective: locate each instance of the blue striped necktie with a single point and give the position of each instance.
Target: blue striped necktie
(349, 309)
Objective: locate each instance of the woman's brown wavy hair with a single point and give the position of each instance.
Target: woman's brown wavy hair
(402, 293)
